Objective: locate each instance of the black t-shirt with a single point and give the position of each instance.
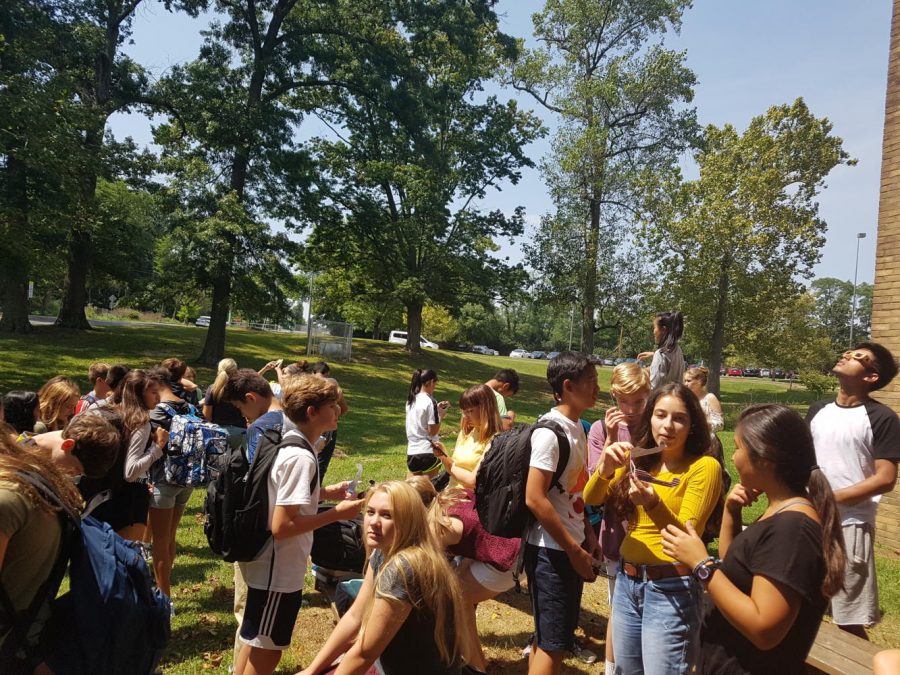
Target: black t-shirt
(412, 651)
(785, 548)
(223, 413)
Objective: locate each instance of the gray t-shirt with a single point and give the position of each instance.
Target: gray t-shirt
(413, 650)
(666, 367)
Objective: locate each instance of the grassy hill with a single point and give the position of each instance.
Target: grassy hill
(375, 382)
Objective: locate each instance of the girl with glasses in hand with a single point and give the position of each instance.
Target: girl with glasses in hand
(676, 483)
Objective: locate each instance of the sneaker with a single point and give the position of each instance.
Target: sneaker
(584, 654)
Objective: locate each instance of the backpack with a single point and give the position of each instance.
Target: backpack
(236, 508)
(339, 545)
(111, 620)
(195, 449)
(502, 474)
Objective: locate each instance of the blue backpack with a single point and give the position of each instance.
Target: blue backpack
(112, 620)
(196, 449)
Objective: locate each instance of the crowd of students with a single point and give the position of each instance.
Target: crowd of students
(633, 502)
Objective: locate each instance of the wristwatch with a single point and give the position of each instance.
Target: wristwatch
(704, 570)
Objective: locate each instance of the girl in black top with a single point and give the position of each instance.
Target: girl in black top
(777, 575)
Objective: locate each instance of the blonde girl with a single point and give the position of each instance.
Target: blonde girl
(409, 612)
(480, 423)
(695, 379)
(58, 398)
(221, 412)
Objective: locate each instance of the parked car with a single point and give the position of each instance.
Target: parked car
(520, 354)
(735, 372)
(552, 355)
(722, 370)
(618, 361)
(399, 337)
(778, 374)
(609, 362)
(538, 354)
(202, 321)
(487, 351)
(765, 372)
(752, 372)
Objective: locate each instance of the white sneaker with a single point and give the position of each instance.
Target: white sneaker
(584, 654)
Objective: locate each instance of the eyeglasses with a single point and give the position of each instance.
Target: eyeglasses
(645, 477)
(862, 357)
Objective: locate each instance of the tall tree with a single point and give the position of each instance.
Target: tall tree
(399, 189)
(833, 311)
(622, 99)
(734, 244)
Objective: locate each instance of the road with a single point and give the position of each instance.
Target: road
(49, 320)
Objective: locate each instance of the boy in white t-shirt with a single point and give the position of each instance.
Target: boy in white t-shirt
(275, 577)
(555, 561)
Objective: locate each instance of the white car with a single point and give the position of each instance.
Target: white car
(398, 337)
(520, 354)
(487, 351)
(202, 321)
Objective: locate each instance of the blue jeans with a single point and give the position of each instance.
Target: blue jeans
(656, 625)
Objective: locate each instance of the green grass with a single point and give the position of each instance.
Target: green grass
(375, 382)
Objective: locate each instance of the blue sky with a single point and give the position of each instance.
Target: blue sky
(748, 55)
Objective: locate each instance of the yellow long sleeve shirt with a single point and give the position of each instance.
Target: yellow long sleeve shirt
(692, 499)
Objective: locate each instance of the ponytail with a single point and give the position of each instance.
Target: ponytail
(820, 494)
(227, 367)
(672, 324)
(419, 378)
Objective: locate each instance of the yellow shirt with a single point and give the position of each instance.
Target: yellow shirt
(693, 499)
(469, 450)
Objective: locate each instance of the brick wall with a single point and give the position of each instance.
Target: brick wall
(886, 300)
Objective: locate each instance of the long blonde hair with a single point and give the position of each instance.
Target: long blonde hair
(227, 367)
(54, 398)
(415, 548)
(16, 460)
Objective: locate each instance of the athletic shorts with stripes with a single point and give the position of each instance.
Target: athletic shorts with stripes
(269, 618)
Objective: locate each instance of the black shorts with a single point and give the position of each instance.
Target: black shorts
(269, 618)
(555, 590)
(424, 463)
(128, 505)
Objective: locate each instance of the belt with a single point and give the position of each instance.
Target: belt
(654, 572)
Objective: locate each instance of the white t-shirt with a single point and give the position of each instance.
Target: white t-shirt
(848, 440)
(422, 413)
(293, 472)
(545, 455)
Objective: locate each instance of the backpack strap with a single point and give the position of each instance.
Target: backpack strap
(20, 622)
(564, 450)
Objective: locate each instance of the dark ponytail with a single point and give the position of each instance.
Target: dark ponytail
(672, 325)
(419, 378)
(778, 434)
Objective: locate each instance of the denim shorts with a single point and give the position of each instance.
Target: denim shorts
(555, 588)
(166, 496)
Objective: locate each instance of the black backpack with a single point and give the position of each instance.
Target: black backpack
(339, 545)
(236, 507)
(502, 474)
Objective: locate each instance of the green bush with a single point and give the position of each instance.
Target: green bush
(817, 383)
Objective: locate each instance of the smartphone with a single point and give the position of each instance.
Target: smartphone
(437, 448)
(354, 484)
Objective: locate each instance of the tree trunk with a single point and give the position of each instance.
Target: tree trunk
(14, 282)
(214, 347)
(71, 314)
(718, 337)
(590, 279)
(414, 327)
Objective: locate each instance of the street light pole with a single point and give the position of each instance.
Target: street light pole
(859, 235)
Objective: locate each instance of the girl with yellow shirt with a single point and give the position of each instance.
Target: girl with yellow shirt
(655, 596)
(480, 423)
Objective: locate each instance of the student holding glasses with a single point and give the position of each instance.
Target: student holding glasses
(666, 478)
(857, 441)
